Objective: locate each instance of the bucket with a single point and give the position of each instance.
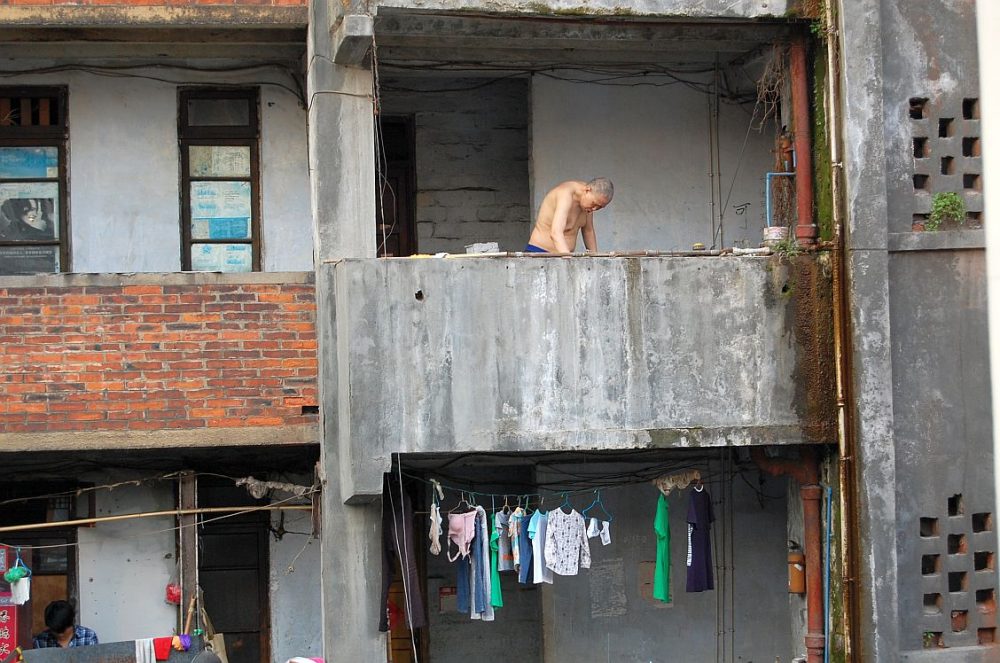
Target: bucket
(775, 234)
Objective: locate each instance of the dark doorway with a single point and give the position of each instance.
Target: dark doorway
(233, 571)
(395, 172)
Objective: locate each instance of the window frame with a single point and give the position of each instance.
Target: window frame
(55, 135)
(221, 136)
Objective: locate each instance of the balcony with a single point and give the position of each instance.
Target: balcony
(539, 354)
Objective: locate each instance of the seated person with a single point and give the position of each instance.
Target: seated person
(61, 632)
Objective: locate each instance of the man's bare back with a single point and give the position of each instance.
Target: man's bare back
(566, 211)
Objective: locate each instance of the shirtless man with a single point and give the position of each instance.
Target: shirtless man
(566, 211)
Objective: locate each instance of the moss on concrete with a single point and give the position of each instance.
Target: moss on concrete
(822, 170)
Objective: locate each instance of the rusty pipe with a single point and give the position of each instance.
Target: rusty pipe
(805, 227)
(806, 473)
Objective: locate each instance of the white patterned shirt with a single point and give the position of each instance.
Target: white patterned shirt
(566, 545)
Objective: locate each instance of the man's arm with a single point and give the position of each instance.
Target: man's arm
(560, 218)
(589, 234)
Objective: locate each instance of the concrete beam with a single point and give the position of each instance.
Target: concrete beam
(159, 439)
(352, 39)
(605, 8)
(134, 16)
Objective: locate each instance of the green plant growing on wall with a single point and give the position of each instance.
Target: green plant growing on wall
(786, 248)
(946, 208)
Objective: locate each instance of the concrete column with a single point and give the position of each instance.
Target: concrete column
(342, 177)
(868, 289)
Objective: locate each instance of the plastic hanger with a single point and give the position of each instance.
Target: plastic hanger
(597, 502)
(461, 501)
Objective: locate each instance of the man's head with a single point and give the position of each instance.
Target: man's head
(598, 194)
(59, 616)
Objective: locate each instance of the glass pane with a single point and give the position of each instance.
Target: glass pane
(28, 259)
(29, 162)
(218, 112)
(29, 210)
(219, 161)
(221, 257)
(220, 210)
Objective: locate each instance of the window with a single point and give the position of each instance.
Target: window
(220, 181)
(33, 224)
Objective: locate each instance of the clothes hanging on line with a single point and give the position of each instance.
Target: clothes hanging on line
(661, 572)
(501, 521)
(461, 531)
(514, 528)
(496, 595)
(481, 573)
(601, 528)
(567, 548)
(537, 526)
(699, 548)
(524, 571)
(398, 544)
(435, 530)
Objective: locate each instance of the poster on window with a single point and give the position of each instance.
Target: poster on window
(219, 160)
(220, 210)
(28, 259)
(28, 163)
(222, 257)
(28, 211)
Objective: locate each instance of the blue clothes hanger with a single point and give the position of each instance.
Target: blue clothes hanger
(597, 502)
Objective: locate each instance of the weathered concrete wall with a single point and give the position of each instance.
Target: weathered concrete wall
(471, 160)
(586, 622)
(488, 354)
(124, 205)
(654, 144)
(124, 567)
(296, 618)
(677, 8)
(922, 383)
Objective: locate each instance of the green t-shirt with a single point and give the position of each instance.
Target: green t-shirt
(496, 596)
(661, 575)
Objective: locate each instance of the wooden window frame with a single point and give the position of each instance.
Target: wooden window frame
(224, 136)
(53, 135)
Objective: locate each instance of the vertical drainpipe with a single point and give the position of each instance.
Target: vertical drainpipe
(805, 229)
(806, 472)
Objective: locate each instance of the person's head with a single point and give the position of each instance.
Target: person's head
(26, 210)
(59, 616)
(597, 194)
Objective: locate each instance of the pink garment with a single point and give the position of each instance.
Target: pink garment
(461, 531)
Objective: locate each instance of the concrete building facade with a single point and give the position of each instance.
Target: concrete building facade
(254, 269)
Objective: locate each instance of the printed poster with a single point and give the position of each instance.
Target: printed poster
(220, 210)
(222, 257)
(24, 163)
(29, 211)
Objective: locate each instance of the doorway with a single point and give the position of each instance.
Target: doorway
(233, 565)
(395, 172)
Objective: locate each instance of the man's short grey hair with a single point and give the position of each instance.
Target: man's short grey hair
(603, 187)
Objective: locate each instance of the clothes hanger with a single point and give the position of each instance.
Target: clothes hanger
(461, 501)
(566, 502)
(597, 502)
(699, 485)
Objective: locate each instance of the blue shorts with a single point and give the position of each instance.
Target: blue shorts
(531, 248)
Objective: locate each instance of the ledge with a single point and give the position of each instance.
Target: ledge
(160, 439)
(152, 16)
(71, 280)
(943, 240)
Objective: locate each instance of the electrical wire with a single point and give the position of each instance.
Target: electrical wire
(128, 71)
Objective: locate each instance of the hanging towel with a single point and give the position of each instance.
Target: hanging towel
(161, 647)
(144, 651)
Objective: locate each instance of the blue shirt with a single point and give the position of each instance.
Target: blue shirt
(81, 636)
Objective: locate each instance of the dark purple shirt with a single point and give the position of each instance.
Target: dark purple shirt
(699, 554)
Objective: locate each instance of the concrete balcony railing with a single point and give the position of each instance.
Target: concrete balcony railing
(571, 8)
(489, 354)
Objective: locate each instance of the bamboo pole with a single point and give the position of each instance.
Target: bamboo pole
(156, 514)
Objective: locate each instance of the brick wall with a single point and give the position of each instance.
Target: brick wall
(472, 160)
(141, 357)
(153, 3)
